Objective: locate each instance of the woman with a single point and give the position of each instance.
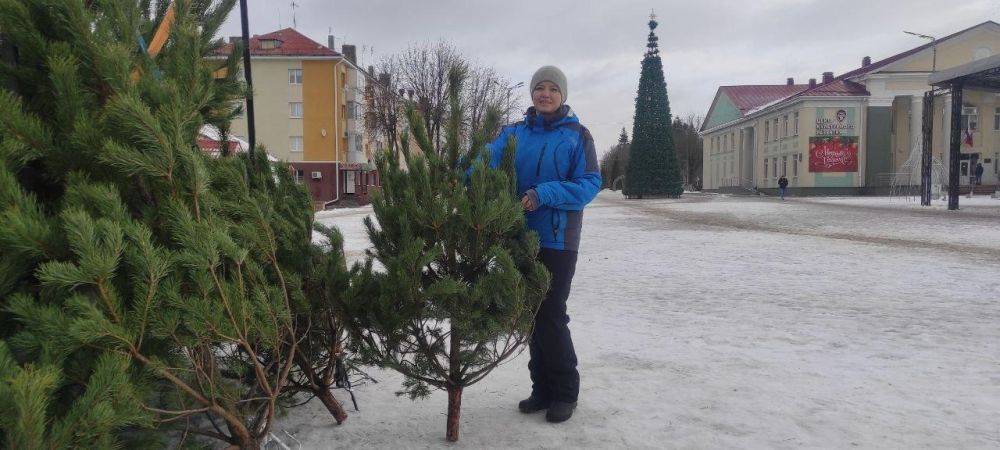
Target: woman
(557, 176)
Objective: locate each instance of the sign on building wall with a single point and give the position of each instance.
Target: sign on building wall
(833, 154)
(834, 147)
(836, 122)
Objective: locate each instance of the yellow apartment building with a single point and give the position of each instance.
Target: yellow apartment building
(306, 98)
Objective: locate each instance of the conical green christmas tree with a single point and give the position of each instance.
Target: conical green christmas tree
(459, 283)
(652, 166)
(142, 283)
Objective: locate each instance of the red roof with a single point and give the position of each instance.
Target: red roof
(836, 88)
(748, 97)
(288, 42)
(213, 146)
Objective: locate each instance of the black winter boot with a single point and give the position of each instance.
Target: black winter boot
(560, 411)
(532, 405)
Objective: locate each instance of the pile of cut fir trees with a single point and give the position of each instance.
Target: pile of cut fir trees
(151, 295)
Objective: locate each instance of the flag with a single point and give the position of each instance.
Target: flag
(968, 138)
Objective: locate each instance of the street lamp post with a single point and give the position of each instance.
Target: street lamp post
(251, 129)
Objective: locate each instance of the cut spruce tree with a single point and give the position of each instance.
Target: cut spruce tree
(458, 282)
(320, 354)
(653, 169)
(143, 284)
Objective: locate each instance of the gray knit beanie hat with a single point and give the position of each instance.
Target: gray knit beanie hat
(553, 74)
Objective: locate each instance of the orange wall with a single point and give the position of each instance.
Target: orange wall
(340, 108)
(318, 110)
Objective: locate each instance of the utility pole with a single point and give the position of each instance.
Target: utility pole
(251, 130)
(927, 121)
(926, 159)
(955, 150)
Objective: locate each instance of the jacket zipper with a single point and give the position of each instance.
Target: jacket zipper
(538, 168)
(556, 219)
(555, 164)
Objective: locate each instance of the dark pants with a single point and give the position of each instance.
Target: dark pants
(553, 360)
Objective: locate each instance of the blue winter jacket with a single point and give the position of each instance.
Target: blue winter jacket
(557, 166)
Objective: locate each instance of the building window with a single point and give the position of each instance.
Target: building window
(294, 76)
(784, 166)
(774, 163)
(784, 126)
(299, 175)
(295, 143)
(996, 119)
(970, 118)
(732, 141)
(295, 110)
(767, 131)
(270, 44)
(796, 124)
(765, 168)
(795, 165)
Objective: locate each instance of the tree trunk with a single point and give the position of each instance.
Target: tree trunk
(454, 412)
(332, 405)
(244, 440)
(320, 388)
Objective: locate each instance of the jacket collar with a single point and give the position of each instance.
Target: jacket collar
(538, 122)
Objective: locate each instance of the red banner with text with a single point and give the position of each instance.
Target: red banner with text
(833, 154)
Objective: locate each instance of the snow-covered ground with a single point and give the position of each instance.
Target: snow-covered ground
(736, 322)
(975, 205)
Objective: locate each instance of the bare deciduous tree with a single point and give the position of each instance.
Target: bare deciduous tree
(689, 146)
(418, 76)
(383, 117)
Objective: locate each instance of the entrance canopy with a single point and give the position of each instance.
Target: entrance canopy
(983, 74)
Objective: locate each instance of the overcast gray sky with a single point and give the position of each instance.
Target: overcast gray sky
(599, 45)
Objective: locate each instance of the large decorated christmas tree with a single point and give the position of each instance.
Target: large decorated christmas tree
(652, 166)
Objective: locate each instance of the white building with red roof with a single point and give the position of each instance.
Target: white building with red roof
(853, 133)
(210, 141)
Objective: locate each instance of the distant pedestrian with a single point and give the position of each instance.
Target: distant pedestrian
(782, 186)
(979, 173)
